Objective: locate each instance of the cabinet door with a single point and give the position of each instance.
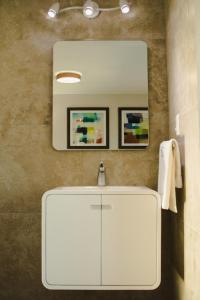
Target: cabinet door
(73, 239)
(129, 240)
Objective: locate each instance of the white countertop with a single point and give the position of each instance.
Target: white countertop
(102, 190)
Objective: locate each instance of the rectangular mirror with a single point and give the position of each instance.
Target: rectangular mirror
(106, 106)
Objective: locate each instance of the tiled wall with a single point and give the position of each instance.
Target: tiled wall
(28, 163)
(183, 80)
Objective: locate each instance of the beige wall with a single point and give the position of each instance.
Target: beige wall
(28, 163)
(183, 80)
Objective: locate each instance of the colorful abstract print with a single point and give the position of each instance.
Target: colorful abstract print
(88, 128)
(136, 127)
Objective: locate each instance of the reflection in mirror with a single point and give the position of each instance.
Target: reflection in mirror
(104, 74)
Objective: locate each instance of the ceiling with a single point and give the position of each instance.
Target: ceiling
(107, 67)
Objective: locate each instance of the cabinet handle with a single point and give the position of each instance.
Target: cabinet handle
(101, 206)
(106, 206)
(95, 206)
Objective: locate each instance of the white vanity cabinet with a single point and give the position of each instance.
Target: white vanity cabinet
(101, 238)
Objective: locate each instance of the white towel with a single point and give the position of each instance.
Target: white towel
(169, 176)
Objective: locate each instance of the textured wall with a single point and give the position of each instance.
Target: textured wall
(28, 163)
(183, 78)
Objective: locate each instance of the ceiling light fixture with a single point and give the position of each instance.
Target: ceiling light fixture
(68, 77)
(53, 10)
(90, 9)
(124, 6)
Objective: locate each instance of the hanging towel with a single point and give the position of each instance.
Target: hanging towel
(169, 177)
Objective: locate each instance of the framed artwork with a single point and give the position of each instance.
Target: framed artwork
(87, 128)
(133, 127)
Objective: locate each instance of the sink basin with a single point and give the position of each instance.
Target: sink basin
(104, 189)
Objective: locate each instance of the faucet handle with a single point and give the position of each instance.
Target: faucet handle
(101, 166)
(101, 180)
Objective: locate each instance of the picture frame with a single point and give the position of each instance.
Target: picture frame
(88, 127)
(133, 127)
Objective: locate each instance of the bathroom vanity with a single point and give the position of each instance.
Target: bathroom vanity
(98, 238)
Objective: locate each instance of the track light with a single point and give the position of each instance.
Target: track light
(124, 6)
(53, 10)
(90, 9)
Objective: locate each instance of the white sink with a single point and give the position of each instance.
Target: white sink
(104, 189)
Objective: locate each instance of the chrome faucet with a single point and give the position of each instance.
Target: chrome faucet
(101, 178)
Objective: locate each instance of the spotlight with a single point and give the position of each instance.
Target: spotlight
(90, 9)
(53, 10)
(124, 6)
